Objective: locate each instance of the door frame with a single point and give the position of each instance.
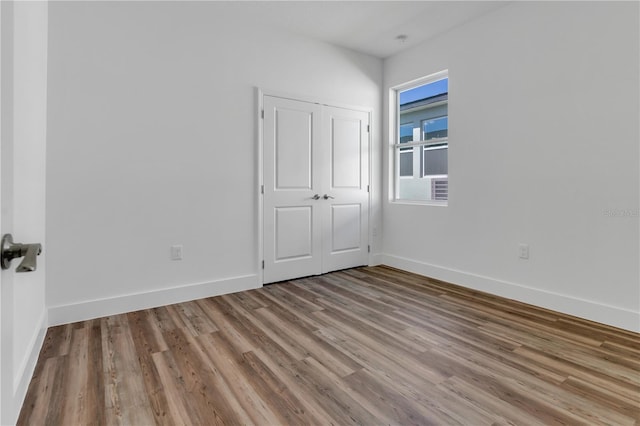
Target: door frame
(2, 348)
(259, 166)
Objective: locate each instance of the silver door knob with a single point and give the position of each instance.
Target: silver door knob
(10, 250)
(326, 197)
(315, 197)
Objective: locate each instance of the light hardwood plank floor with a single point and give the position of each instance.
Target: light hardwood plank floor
(370, 346)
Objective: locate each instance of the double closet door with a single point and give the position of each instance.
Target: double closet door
(316, 188)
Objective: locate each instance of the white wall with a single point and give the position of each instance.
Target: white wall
(24, 121)
(544, 142)
(150, 105)
(152, 143)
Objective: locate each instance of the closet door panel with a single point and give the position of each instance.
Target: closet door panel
(292, 228)
(346, 209)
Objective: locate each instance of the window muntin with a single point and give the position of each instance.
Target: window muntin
(422, 145)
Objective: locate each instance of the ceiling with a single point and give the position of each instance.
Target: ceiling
(370, 27)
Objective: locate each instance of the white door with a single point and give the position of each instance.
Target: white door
(23, 29)
(316, 197)
(345, 211)
(292, 243)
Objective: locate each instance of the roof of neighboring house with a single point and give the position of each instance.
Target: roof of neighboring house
(425, 101)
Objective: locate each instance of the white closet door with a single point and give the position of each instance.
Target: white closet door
(292, 228)
(345, 212)
(315, 202)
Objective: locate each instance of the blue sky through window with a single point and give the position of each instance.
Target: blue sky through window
(426, 91)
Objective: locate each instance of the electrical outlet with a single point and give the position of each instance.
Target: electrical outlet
(523, 251)
(176, 252)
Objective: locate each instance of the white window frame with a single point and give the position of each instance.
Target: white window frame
(395, 145)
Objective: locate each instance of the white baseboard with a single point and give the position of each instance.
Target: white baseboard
(587, 309)
(65, 314)
(25, 369)
(375, 259)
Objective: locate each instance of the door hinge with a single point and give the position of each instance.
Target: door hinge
(262, 189)
(262, 114)
(367, 188)
(263, 264)
(368, 128)
(368, 249)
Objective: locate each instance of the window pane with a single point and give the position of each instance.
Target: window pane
(406, 162)
(435, 160)
(406, 132)
(425, 91)
(435, 128)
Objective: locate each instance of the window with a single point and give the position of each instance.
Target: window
(435, 160)
(406, 132)
(435, 128)
(406, 162)
(406, 154)
(421, 144)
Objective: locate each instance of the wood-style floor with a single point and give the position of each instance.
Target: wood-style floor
(366, 346)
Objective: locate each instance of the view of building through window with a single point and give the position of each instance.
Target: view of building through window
(422, 142)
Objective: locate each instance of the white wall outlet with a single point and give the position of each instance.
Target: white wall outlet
(523, 251)
(176, 252)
